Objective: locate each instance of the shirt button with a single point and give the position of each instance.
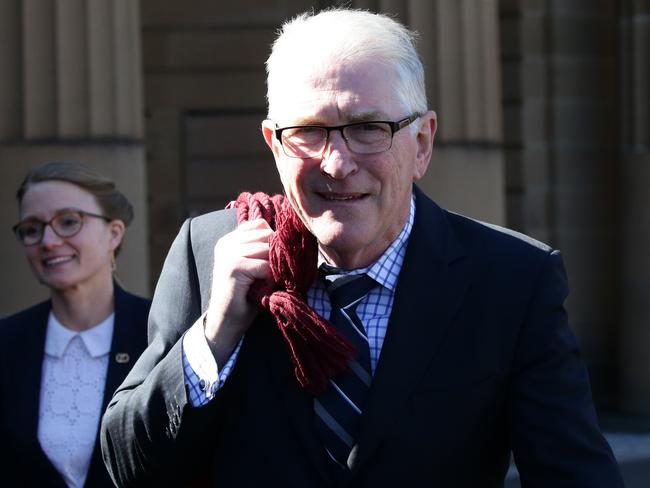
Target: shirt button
(202, 384)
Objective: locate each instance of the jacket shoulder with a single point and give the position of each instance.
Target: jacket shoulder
(482, 236)
(24, 321)
(205, 230)
(466, 235)
(135, 301)
(219, 222)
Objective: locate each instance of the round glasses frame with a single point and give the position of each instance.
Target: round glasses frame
(294, 149)
(56, 223)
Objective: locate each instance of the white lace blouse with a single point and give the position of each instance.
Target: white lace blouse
(72, 390)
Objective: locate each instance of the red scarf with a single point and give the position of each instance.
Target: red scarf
(318, 351)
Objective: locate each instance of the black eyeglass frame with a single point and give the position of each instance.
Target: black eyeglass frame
(394, 127)
(81, 213)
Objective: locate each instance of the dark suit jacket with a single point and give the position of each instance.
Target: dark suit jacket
(478, 361)
(22, 347)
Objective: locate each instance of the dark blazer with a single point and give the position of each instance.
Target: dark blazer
(478, 361)
(22, 348)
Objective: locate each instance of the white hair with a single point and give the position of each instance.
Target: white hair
(337, 35)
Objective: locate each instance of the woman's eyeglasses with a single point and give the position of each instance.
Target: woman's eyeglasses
(67, 223)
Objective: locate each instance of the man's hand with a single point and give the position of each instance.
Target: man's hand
(240, 258)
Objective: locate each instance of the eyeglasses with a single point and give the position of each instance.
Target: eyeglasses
(67, 223)
(309, 141)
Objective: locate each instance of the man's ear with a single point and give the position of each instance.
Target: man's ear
(268, 129)
(426, 133)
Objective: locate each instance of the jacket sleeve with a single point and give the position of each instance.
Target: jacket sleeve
(555, 435)
(149, 433)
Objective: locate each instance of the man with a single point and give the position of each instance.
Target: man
(462, 349)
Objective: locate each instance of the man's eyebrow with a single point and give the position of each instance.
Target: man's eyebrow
(365, 117)
(350, 119)
(305, 121)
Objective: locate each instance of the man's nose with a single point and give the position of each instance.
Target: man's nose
(337, 160)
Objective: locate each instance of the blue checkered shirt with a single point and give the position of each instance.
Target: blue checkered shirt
(201, 374)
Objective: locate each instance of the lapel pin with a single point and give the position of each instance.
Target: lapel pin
(122, 357)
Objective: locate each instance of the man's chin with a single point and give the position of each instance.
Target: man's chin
(329, 232)
(339, 247)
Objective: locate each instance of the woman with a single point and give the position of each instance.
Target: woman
(61, 360)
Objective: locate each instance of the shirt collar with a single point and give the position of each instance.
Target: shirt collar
(97, 339)
(385, 269)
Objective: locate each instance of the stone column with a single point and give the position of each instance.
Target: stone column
(70, 89)
(635, 207)
(559, 93)
(459, 45)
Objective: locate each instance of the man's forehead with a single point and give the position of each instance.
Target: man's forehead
(359, 89)
(336, 107)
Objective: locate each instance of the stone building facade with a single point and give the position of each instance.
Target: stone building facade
(544, 116)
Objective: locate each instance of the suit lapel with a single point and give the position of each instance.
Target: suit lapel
(431, 285)
(125, 344)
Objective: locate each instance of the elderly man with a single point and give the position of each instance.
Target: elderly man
(446, 347)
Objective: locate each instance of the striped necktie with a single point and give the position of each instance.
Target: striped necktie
(339, 408)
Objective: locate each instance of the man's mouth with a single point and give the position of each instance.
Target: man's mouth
(342, 197)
